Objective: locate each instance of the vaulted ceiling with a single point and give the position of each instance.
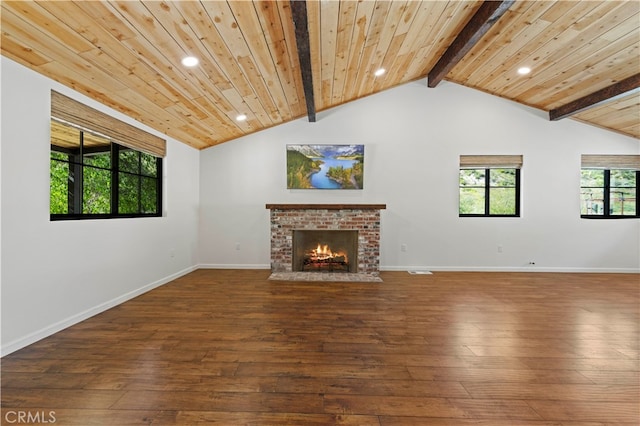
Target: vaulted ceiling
(276, 61)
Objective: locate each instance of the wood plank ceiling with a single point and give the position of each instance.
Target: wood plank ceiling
(126, 54)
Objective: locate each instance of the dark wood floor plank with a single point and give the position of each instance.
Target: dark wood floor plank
(606, 412)
(392, 406)
(221, 401)
(323, 370)
(169, 381)
(453, 348)
(11, 380)
(413, 421)
(262, 419)
(554, 391)
(608, 377)
(59, 398)
(83, 417)
(382, 387)
(498, 375)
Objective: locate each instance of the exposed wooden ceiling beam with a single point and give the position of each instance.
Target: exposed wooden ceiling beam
(487, 15)
(617, 90)
(299, 14)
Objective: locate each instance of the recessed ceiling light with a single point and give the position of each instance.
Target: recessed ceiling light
(190, 61)
(524, 70)
(241, 117)
(379, 72)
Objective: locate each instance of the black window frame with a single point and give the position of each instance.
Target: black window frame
(75, 160)
(607, 196)
(487, 192)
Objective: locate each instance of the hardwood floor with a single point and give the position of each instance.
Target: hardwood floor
(230, 347)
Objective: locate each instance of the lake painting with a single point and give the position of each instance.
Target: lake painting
(325, 166)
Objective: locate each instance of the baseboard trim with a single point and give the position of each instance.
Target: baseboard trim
(532, 268)
(75, 319)
(233, 266)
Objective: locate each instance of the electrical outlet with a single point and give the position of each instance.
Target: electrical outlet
(403, 247)
(500, 248)
(237, 246)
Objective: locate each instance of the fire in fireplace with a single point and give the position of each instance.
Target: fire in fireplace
(325, 251)
(322, 258)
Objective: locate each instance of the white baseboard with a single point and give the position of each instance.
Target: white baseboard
(233, 266)
(74, 319)
(532, 268)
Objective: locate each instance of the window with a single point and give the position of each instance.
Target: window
(91, 175)
(489, 185)
(609, 186)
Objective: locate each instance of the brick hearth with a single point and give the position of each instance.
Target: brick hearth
(365, 218)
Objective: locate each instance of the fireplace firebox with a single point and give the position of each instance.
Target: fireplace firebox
(364, 219)
(325, 251)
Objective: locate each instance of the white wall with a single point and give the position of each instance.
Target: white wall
(414, 137)
(57, 273)
(215, 200)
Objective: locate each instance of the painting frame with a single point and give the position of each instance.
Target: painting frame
(325, 166)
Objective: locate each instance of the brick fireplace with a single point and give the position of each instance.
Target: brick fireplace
(363, 218)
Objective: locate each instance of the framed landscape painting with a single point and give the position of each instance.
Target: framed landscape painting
(325, 166)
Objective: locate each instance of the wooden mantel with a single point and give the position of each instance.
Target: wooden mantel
(326, 206)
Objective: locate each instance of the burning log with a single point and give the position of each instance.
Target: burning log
(323, 258)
